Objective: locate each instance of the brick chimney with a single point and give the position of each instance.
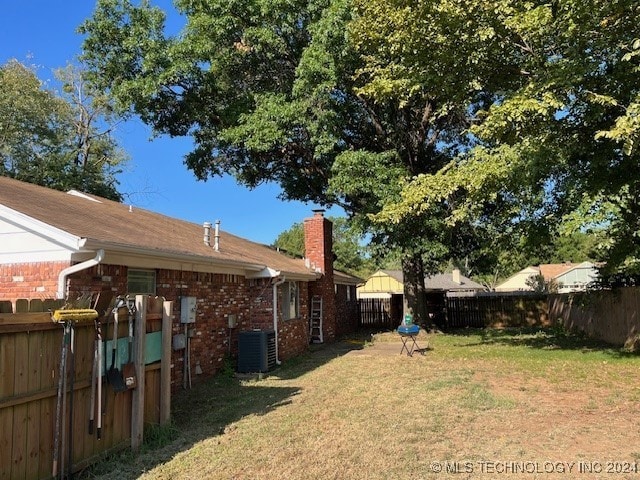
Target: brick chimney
(318, 246)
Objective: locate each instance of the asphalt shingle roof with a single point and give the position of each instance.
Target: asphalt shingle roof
(118, 224)
(440, 281)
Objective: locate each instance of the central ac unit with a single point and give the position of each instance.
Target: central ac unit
(256, 351)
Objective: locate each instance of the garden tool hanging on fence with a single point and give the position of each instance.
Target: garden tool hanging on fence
(114, 376)
(129, 368)
(68, 319)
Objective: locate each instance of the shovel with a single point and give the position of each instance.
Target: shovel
(129, 369)
(99, 379)
(114, 376)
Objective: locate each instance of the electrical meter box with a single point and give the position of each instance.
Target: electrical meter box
(188, 310)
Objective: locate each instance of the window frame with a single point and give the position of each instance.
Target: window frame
(290, 305)
(144, 276)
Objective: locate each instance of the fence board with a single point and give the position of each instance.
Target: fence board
(18, 461)
(7, 357)
(20, 412)
(6, 306)
(22, 305)
(34, 408)
(49, 364)
(152, 392)
(36, 305)
(30, 350)
(33, 440)
(6, 425)
(47, 421)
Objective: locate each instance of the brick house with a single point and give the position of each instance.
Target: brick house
(58, 245)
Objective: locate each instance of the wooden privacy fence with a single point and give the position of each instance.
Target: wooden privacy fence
(609, 315)
(497, 310)
(30, 357)
(375, 313)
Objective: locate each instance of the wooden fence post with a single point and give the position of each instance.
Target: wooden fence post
(137, 398)
(165, 363)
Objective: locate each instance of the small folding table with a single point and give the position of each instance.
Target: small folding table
(408, 334)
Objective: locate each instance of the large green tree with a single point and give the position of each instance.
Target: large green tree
(556, 147)
(55, 140)
(277, 90)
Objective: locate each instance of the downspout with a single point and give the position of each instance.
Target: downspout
(62, 276)
(276, 284)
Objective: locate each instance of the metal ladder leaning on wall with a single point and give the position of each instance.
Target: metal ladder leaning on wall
(315, 320)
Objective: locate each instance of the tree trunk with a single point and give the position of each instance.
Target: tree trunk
(415, 299)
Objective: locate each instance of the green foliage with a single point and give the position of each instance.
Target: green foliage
(551, 143)
(350, 253)
(157, 436)
(291, 241)
(539, 284)
(274, 90)
(54, 140)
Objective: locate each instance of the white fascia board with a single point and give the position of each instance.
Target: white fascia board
(268, 272)
(42, 229)
(208, 261)
(300, 277)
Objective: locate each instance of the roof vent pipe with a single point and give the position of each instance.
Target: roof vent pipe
(207, 233)
(216, 237)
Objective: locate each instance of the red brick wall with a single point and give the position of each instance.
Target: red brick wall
(318, 243)
(293, 335)
(30, 280)
(346, 310)
(218, 296)
(102, 277)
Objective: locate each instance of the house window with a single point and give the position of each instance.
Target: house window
(348, 293)
(290, 300)
(141, 282)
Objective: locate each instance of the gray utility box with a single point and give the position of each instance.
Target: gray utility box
(256, 351)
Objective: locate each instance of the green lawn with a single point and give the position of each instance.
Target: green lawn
(482, 403)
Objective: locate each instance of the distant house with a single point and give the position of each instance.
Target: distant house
(569, 277)
(389, 285)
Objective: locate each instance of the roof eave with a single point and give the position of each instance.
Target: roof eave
(92, 244)
(37, 227)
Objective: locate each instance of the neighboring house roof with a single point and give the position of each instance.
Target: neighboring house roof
(395, 274)
(392, 281)
(446, 282)
(569, 276)
(551, 270)
(343, 278)
(382, 283)
(518, 281)
(92, 222)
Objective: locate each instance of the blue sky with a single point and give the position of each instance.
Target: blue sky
(43, 33)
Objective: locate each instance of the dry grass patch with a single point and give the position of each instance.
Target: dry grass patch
(353, 410)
